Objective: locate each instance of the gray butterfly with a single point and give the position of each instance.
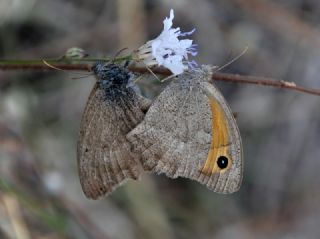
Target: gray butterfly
(188, 131)
(104, 155)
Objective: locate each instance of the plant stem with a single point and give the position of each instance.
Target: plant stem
(86, 63)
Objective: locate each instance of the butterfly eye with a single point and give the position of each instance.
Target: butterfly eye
(222, 162)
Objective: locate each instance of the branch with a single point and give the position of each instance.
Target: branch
(255, 80)
(258, 80)
(44, 67)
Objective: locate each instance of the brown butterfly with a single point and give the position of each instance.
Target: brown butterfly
(113, 109)
(189, 131)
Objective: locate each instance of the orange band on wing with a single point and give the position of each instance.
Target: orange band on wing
(220, 139)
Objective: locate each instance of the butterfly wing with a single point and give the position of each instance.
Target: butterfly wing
(104, 155)
(189, 131)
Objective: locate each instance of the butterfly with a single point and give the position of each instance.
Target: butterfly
(188, 131)
(105, 159)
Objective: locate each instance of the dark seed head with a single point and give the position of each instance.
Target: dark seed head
(222, 162)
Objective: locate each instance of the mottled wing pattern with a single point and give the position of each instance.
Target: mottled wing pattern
(187, 128)
(104, 155)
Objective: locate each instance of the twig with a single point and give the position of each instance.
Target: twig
(255, 80)
(44, 67)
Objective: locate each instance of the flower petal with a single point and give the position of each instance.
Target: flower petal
(168, 21)
(168, 50)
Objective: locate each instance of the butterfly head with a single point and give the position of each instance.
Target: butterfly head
(110, 75)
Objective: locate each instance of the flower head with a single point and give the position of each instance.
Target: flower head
(168, 50)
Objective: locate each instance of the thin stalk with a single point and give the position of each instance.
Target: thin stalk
(86, 63)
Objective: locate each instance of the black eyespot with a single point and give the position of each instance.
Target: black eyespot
(86, 150)
(222, 162)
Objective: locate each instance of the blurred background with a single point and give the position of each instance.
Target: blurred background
(40, 112)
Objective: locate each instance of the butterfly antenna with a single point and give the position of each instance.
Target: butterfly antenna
(70, 72)
(167, 78)
(118, 53)
(51, 66)
(80, 77)
(234, 59)
(153, 73)
(137, 79)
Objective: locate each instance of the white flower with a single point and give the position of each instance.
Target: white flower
(167, 50)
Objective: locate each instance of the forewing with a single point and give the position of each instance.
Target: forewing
(104, 155)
